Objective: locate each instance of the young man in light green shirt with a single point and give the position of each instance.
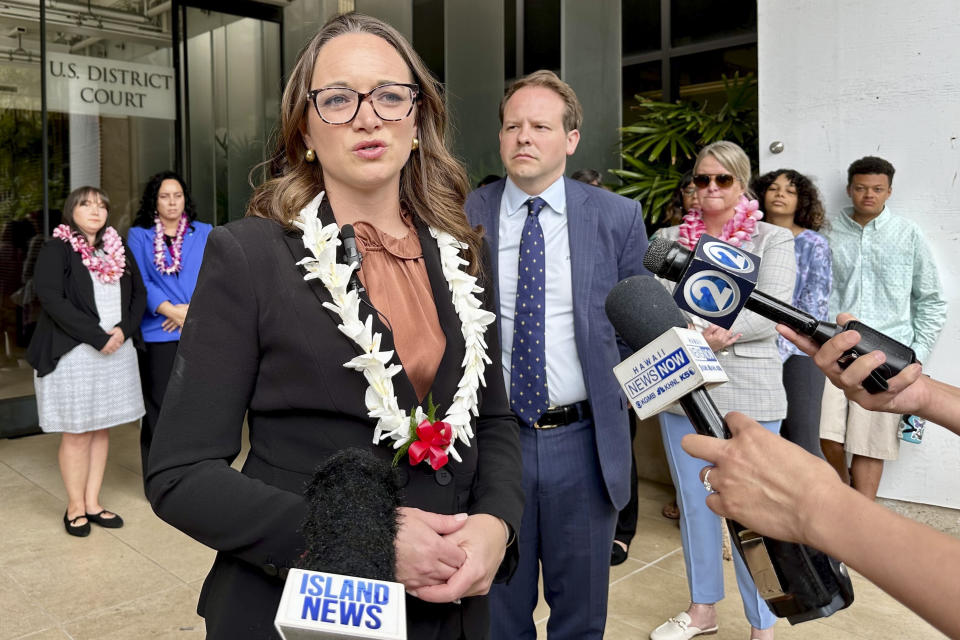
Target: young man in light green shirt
(885, 275)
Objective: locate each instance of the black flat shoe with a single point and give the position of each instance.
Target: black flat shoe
(81, 531)
(618, 555)
(107, 523)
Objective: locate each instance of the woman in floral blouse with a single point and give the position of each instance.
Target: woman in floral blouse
(791, 201)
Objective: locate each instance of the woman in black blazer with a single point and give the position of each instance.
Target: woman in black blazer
(86, 377)
(275, 319)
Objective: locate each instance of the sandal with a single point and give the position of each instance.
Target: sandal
(671, 511)
(107, 523)
(680, 627)
(79, 530)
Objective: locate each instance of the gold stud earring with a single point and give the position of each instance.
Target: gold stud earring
(310, 155)
(416, 144)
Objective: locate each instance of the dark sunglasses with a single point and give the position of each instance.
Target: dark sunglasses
(723, 180)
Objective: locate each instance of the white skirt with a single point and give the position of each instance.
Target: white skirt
(89, 390)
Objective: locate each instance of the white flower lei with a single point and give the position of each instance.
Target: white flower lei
(393, 422)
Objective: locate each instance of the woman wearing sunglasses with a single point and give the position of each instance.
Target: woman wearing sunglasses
(749, 356)
(320, 360)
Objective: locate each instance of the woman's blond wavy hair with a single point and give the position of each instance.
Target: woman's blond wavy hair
(433, 184)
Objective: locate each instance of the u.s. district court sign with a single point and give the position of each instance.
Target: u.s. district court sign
(99, 86)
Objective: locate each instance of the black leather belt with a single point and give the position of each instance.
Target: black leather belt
(561, 416)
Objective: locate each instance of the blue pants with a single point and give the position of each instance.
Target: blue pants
(567, 527)
(700, 528)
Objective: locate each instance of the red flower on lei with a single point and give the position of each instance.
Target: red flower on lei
(433, 438)
(430, 439)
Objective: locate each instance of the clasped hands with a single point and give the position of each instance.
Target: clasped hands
(174, 315)
(115, 341)
(441, 558)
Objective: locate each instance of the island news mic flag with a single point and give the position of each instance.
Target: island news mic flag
(345, 587)
(717, 280)
(671, 364)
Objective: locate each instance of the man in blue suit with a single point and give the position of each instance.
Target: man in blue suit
(557, 247)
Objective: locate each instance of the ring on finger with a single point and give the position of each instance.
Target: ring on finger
(706, 481)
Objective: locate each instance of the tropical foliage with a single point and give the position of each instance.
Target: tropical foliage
(662, 144)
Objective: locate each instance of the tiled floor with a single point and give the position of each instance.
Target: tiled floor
(142, 581)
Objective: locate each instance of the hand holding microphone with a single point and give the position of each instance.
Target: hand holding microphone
(797, 582)
(717, 280)
(902, 394)
(764, 481)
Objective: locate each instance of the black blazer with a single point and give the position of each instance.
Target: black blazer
(258, 341)
(65, 289)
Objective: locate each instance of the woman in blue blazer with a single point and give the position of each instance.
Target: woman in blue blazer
(169, 242)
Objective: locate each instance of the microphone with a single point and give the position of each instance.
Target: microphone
(717, 280)
(797, 582)
(671, 363)
(345, 583)
(352, 255)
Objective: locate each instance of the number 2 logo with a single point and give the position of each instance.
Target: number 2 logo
(711, 294)
(728, 257)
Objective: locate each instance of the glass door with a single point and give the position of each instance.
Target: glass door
(87, 97)
(232, 74)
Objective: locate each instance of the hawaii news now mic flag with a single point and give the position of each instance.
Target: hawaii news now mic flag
(334, 607)
(668, 368)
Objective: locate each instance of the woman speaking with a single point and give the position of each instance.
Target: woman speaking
(278, 330)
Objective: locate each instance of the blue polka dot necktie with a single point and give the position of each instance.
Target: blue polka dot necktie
(528, 364)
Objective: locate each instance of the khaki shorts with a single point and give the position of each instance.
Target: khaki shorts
(865, 433)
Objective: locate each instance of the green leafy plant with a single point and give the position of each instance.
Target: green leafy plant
(21, 165)
(662, 144)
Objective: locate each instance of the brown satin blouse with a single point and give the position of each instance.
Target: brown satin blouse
(395, 277)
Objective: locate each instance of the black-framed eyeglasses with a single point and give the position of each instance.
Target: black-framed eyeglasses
(339, 105)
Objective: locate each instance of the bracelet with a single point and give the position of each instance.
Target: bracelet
(511, 536)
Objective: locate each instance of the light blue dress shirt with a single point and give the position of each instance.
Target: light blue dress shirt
(564, 373)
(885, 275)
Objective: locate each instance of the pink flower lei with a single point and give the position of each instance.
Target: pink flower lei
(736, 230)
(106, 264)
(176, 247)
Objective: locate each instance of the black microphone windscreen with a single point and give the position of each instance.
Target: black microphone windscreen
(351, 521)
(346, 231)
(640, 310)
(655, 259)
